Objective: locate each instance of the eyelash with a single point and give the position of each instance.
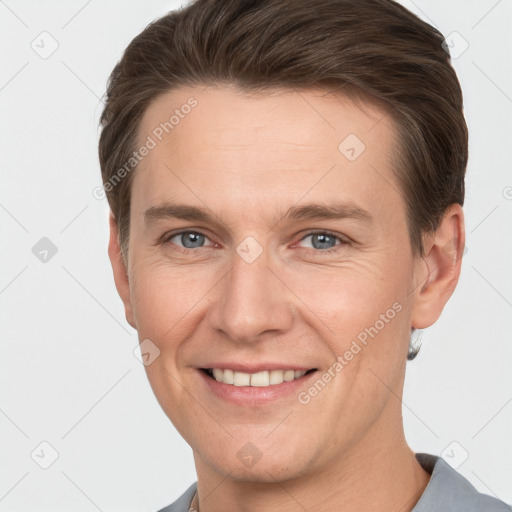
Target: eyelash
(343, 242)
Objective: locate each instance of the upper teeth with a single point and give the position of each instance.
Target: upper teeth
(260, 379)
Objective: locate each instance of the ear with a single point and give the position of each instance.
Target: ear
(120, 272)
(437, 273)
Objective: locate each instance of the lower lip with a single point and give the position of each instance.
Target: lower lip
(254, 395)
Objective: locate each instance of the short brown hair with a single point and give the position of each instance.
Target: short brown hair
(375, 46)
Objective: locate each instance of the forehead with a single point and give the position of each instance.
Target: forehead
(226, 110)
(221, 143)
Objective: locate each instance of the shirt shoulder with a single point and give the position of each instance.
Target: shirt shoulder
(449, 491)
(182, 504)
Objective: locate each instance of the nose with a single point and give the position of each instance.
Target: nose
(251, 301)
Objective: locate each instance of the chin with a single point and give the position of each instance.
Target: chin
(249, 464)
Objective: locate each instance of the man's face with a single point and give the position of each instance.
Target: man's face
(249, 289)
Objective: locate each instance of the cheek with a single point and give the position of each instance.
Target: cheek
(162, 296)
(353, 295)
(163, 301)
(363, 313)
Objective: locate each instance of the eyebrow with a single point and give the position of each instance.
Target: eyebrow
(310, 211)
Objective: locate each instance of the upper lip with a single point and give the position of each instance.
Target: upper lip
(255, 368)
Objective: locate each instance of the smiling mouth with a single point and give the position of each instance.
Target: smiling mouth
(259, 379)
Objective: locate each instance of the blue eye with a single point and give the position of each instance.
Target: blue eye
(321, 241)
(189, 239)
(324, 241)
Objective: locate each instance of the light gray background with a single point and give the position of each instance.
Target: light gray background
(68, 375)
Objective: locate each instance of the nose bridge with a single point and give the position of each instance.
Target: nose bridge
(252, 299)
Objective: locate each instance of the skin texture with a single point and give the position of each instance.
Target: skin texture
(246, 159)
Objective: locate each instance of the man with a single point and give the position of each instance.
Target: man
(286, 181)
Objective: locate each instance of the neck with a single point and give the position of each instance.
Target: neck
(377, 474)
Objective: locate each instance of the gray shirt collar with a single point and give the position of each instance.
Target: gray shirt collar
(447, 491)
